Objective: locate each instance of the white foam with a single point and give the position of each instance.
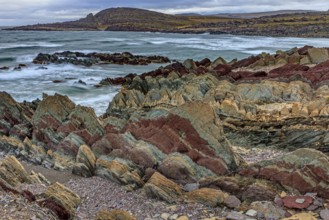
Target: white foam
(29, 44)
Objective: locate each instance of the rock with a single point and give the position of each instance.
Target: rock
(297, 202)
(268, 210)
(63, 126)
(15, 119)
(252, 213)
(305, 170)
(232, 202)
(61, 200)
(181, 168)
(218, 61)
(12, 171)
(165, 216)
(258, 192)
(183, 218)
(189, 64)
(114, 214)
(235, 216)
(207, 196)
(85, 156)
(4, 68)
(301, 216)
(318, 55)
(162, 188)
(191, 186)
(239, 186)
(78, 58)
(324, 214)
(120, 171)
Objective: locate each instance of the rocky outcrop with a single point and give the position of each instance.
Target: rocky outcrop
(304, 170)
(15, 119)
(62, 125)
(78, 58)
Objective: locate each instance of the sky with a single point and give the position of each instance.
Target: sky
(22, 12)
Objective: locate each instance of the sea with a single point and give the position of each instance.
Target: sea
(20, 47)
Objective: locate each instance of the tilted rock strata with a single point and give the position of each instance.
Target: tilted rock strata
(304, 170)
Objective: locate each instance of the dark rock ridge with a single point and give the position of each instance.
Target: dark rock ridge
(78, 58)
(170, 131)
(307, 24)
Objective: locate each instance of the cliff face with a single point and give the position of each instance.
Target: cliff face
(301, 24)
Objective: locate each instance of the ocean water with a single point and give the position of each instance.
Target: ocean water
(30, 83)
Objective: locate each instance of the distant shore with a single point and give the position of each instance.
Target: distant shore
(299, 24)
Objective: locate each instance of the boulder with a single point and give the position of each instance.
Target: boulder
(162, 188)
(86, 162)
(62, 125)
(304, 170)
(12, 171)
(120, 171)
(268, 210)
(318, 55)
(14, 118)
(114, 214)
(60, 200)
(181, 168)
(207, 196)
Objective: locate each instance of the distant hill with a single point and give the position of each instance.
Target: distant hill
(278, 23)
(261, 14)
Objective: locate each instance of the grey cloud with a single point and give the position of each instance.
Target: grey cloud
(21, 12)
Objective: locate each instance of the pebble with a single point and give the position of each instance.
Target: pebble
(235, 216)
(183, 218)
(165, 216)
(324, 214)
(251, 213)
(300, 201)
(232, 202)
(173, 217)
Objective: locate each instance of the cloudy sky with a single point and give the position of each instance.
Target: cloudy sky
(21, 12)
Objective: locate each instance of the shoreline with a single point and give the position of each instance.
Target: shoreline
(177, 32)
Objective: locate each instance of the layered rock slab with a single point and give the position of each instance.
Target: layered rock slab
(304, 170)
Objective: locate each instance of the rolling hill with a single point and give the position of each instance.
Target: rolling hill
(279, 23)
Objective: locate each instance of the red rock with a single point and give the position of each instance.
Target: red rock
(245, 62)
(176, 134)
(305, 170)
(287, 70)
(205, 62)
(290, 202)
(222, 69)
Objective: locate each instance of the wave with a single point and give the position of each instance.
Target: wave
(25, 58)
(29, 45)
(7, 59)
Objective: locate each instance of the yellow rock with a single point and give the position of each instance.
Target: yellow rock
(283, 194)
(302, 216)
(207, 196)
(114, 214)
(12, 171)
(183, 218)
(160, 187)
(59, 194)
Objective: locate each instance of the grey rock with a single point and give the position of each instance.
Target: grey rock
(252, 213)
(324, 214)
(191, 187)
